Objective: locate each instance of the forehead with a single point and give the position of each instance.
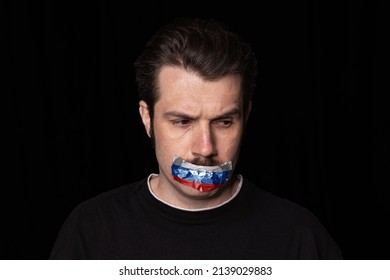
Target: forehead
(185, 88)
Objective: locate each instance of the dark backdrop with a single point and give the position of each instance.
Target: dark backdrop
(318, 134)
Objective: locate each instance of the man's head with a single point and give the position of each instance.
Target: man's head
(195, 81)
(202, 46)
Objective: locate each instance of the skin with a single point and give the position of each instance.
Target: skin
(200, 121)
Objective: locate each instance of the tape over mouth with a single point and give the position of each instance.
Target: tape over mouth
(202, 178)
(215, 168)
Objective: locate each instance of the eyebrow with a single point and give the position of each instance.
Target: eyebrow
(184, 115)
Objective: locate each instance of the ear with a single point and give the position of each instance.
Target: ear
(145, 116)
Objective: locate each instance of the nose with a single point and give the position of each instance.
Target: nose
(203, 142)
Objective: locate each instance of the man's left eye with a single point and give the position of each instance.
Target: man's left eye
(224, 123)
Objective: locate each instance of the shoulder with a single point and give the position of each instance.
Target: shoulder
(273, 205)
(111, 201)
(283, 217)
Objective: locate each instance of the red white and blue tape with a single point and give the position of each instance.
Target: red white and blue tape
(201, 178)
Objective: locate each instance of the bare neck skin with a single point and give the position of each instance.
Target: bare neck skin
(181, 200)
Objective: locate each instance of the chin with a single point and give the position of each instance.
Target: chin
(191, 192)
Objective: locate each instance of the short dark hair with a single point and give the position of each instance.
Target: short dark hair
(204, 46)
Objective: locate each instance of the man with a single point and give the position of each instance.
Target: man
(195, 80)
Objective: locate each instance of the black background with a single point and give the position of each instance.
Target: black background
(318, 134)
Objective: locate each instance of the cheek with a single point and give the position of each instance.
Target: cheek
(229, 147)
(168, 137)
(167, 145)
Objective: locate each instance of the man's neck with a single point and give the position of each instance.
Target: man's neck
(190, 199)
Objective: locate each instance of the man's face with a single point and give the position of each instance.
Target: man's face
(200, 121)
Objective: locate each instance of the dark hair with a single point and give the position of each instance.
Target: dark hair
(204, 46)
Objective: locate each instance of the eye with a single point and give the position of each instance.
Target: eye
(182, 122)
(224, 123)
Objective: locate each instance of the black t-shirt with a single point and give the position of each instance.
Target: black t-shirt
(130, 223)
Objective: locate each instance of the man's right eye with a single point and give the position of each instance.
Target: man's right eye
(182, 122)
